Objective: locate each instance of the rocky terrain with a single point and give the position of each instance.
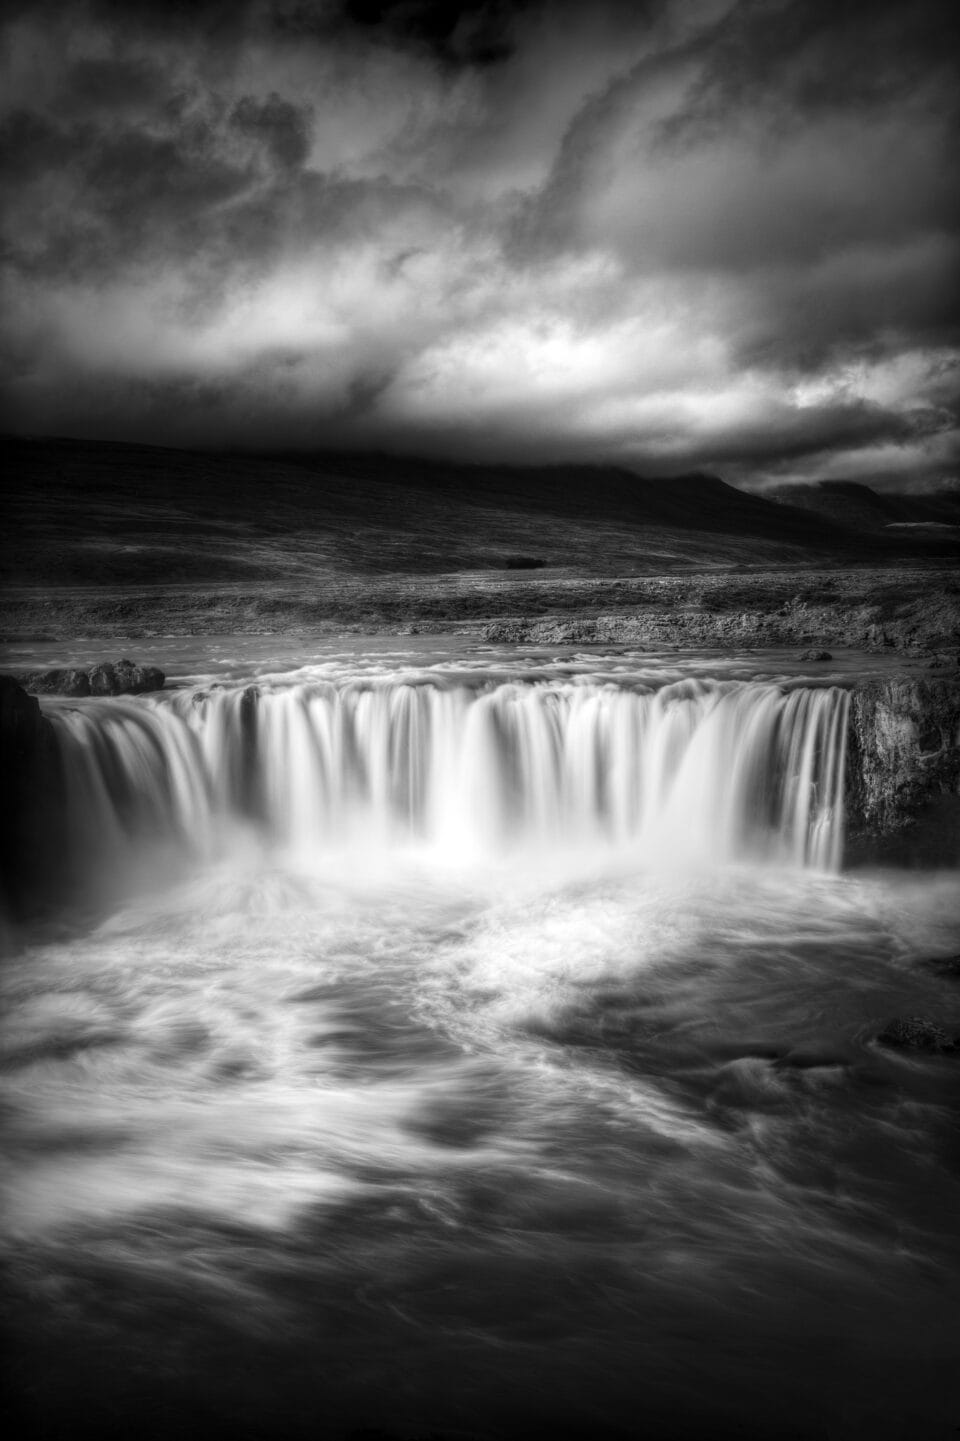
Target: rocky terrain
(915, 612)
(903, 770)
(106, 678)
(912, 609)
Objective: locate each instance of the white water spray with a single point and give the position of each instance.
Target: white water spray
(695, 771)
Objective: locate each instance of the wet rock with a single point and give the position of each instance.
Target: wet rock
(58, 682)
(31, 804)
(151, 678)
(816, 655)
(20, 720)
(127, 676)
(103, 679)
(903, 751)
(876, 637)
(122, 677)
(134, 679)
(510, 631)
(916, 1033)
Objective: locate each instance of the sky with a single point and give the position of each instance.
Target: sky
(671, 234)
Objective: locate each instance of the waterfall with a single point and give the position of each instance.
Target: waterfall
(699, 770)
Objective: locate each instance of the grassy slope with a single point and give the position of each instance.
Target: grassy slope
(105, 539)
(96, 514)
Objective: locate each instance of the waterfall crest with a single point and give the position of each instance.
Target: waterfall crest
(696, 770)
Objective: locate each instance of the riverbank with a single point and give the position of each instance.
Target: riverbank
(900, 610)
(913, 609)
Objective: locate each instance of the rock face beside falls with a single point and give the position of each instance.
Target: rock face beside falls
(32, 829)
(903, 764)
(122, 677)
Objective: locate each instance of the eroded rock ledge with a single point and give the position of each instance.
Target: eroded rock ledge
(32, 842)
(928, 626)
(903, 763)
(122, 677)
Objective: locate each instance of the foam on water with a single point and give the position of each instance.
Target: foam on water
(694, 771)
(522, 1027)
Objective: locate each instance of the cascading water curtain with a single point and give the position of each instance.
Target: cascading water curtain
(696, 770)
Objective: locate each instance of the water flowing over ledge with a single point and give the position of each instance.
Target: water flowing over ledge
(695, 771)
(400, 1024)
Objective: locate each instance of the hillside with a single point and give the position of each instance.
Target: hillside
(110, 540)
(95, 514)
(857, 507)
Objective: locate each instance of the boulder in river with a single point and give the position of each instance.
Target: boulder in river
(58, 682)
(122, 677)
(103, 679)
(149, 677)
(816, 655)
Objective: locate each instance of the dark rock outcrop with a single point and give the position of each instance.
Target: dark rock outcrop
(122, 677)
(58, 682)
(513, 631)
(904, 756)
(103, 679)
(730, 611)
(916, 1033)
(816, 655)
(32, 835)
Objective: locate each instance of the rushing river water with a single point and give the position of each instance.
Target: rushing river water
(479, 1048)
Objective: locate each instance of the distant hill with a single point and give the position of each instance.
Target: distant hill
(95, 514)
(856, 506)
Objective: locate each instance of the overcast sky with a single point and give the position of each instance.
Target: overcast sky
(677, 234)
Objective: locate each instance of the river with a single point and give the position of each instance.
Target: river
(478, 1045)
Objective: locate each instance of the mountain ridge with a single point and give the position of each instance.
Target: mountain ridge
(851, 503)
(95, 513)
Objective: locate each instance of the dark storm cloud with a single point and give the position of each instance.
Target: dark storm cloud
(281, 127)
(465, 33)
(677, 233)
(796, 59)
(730, 159)
(111, 87)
